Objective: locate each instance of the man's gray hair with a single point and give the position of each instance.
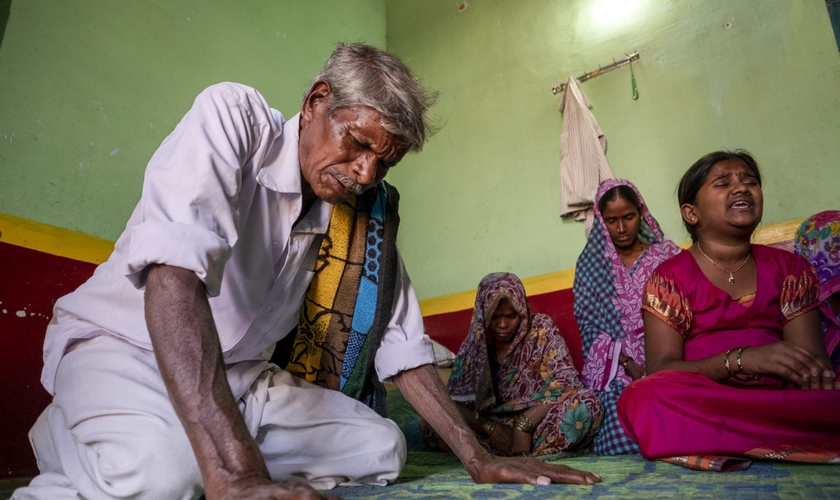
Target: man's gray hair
(362, 75)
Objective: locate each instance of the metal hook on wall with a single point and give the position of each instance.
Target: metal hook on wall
(556, 89)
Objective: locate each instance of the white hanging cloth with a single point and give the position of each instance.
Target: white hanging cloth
(583, 164)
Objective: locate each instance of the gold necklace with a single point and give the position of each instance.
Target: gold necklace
(731, 273)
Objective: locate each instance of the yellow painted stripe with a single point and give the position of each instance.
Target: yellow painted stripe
(550, 282)
(560, 280)
(53, 240)
(534, 285)
(448, 303)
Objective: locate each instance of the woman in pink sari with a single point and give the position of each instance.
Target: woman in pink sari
(732, 337)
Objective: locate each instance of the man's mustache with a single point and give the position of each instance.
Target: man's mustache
(350, 184)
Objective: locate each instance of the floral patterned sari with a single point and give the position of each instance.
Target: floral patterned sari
(537, 370)
(818, 240)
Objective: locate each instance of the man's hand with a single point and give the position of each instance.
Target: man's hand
(423, 388)
(262, 489)
(527, 470)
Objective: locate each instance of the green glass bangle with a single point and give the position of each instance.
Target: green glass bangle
(738, 357)
(726, 362)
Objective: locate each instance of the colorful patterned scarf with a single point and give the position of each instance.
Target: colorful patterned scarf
(471, 378)
(818, 240)
(537, 369)
(608, 311)
(349, 301)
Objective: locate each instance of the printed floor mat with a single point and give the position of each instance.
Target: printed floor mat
(430, 475)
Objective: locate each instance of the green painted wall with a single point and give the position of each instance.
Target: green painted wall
(89, 88)
(484, 195)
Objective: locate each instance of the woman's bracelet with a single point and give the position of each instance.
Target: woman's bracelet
(726, 362)
(525, 425)
(624, 363)
(487, 427)
(738, 357)
(744, 376)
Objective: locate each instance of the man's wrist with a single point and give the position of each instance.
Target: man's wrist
(477, 459)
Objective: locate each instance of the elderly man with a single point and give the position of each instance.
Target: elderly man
(159, 363)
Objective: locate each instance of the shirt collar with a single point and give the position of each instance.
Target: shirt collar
(281, 173)
(281, 170)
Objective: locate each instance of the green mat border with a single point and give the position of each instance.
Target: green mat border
(429, 475)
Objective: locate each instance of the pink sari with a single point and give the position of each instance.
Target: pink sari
(679, 414)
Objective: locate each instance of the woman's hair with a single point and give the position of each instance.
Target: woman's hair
(503, 299)
(620, 192)
(362, 75)
(693, 179)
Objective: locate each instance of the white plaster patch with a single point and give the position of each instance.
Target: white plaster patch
(115, 152)
(101, 110)
(20, 314)
(5, 311)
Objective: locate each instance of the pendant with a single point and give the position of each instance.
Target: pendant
(731, 279)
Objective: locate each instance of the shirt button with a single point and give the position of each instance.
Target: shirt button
(267, 308)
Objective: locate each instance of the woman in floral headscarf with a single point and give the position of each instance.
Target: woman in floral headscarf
(623, 248)
(514, 378)
(818, 240)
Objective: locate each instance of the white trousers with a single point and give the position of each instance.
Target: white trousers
(111, 432)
